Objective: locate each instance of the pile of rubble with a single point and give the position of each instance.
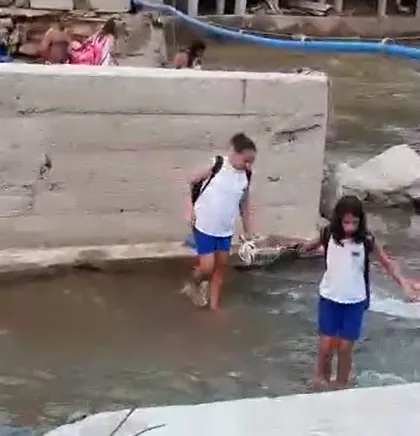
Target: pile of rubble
(293, 7)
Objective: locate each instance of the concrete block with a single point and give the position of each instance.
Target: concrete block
(124, 90)
(294, 97)
(110, 5)
(123, 140)
(62, 5)
(263, 416)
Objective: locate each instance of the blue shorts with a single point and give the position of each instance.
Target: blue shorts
(339, 319)
(207, 244)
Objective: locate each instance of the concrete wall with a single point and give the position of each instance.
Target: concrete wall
(121, 141)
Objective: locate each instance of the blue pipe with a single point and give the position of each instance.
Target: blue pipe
(302, 44)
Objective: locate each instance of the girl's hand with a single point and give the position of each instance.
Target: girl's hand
(411, 289)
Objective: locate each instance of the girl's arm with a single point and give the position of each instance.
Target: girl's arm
(310, 244)
(245, 210)
(393, 270)
(46, 44)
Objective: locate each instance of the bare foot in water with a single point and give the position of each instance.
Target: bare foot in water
(197, 294)
(318, 383)
(336, 385)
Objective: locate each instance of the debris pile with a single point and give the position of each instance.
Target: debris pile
(293, 7)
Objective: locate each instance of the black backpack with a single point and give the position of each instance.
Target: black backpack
(368, 245)
(198, 188)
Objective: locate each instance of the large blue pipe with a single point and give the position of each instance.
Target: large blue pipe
(346, 46)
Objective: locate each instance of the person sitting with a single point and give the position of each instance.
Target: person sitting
(98, 49)
(191, 57)
(55, 46)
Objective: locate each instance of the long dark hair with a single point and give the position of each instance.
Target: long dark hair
(195, 47)
(348, 204)
(109, 28)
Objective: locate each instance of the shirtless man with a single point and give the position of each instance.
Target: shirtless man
(56, 43)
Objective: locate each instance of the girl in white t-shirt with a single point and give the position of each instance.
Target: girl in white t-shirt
(219, 194)
(345, 288)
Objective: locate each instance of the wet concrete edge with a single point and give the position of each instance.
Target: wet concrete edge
(35, 262)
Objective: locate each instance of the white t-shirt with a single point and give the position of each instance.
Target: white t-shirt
(343, 280)
(217, 207)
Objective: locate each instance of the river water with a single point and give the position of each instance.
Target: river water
(88, 342)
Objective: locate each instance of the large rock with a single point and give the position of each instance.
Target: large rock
(390, 179)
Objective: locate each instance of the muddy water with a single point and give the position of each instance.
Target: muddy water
(90, 341)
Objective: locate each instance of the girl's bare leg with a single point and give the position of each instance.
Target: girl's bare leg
(216, 281)
(326, 346)
(344, 364)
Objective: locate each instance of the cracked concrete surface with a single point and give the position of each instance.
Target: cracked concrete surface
(120, 142)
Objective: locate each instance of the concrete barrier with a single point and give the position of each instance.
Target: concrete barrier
(326, 414)
(121, 140)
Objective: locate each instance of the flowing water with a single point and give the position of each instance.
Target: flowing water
(92, 341)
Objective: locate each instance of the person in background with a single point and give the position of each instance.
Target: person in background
(55, 46)
(191, 57)
(219, 193)
(98, 49)
(106, 39)
(345, 287)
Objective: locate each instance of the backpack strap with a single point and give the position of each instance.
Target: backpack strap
(248, 175)
(368, 243)
(198, 188)
(218, 163)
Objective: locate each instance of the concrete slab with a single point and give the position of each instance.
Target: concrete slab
(122, 145)
(110, 5)
(63, 5)
(327, 414)
(131, 90)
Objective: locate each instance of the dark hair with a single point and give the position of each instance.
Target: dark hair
(240, 143)
(348, 204)
(109, 28)
(193, 50)
(61, 20)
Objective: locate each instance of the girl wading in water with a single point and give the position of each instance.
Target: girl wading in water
(191, 57)
(345, 287)
(219, 193)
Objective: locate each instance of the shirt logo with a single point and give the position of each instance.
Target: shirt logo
(355, 253)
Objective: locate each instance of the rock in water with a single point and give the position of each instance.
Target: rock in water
(389, 179)
(22, 3)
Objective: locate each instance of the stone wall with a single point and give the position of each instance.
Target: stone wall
(99, 155)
